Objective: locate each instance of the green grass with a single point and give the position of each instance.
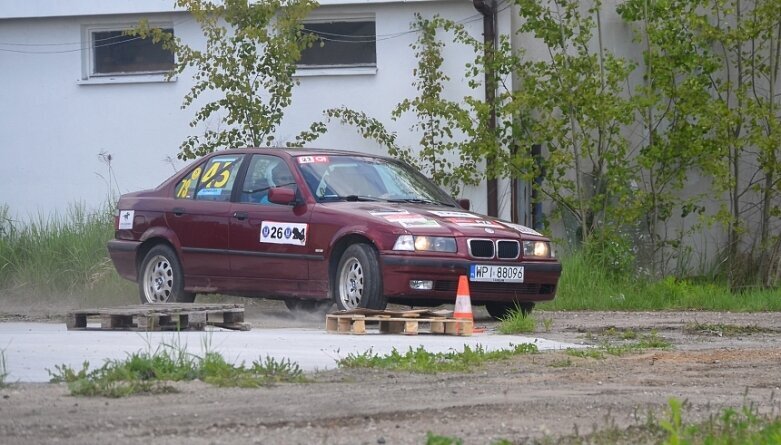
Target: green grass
(730, 426)
(745, 426)
(152, 372)
(610, 346)
(421, 361)
(724, 330)
(435, 439)
(584, 286)
(517, 323)
(58, 255)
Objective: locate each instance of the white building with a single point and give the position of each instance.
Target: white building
(63, 111)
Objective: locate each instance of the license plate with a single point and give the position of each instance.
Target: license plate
(496, 274)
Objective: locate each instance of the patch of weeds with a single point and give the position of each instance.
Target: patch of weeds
(516, 322)
(647, 341)
(435, 439)
(146, 372)
(547, 324)
(724, 330)
(653, 341)
(262, 373)
(623, 334)
(563, 363)
(594, 353)
(731, 426)
(422, 361)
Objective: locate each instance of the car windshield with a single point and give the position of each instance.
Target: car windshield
(363, 178)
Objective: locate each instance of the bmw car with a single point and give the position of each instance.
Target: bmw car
(321, 227)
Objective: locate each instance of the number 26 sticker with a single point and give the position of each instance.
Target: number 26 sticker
(283, 233)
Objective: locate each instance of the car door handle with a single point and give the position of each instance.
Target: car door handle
(241, 216)
(178, 211)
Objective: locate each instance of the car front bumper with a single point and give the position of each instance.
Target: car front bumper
(540, 280)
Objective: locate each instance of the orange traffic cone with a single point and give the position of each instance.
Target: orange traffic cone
(463, 300)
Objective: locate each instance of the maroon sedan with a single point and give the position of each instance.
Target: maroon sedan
(316, 227)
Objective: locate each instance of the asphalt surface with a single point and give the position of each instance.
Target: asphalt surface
(31, 349)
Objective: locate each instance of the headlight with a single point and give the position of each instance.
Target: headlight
(425, 243)
(540, 249)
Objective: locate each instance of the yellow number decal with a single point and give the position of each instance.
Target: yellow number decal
(210, 173)
(182, 193)
(186, 185)
(225, 175)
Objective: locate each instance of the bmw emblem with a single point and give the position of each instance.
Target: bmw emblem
(489, 230)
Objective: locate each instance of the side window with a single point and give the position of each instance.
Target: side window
(256, 183)
(212, 181)
(264, 173)
(185, 189)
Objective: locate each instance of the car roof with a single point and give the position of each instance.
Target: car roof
(306, 151)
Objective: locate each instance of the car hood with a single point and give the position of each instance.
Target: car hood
(435, 220)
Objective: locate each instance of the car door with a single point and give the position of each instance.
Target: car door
(269, 242)
(200, 215)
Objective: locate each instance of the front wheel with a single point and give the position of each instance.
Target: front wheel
(162, 279)
(358, 280)
(500, 311)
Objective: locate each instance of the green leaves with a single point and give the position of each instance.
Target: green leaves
(246, 68)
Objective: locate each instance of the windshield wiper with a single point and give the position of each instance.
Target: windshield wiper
(420, 201)
(351, 198)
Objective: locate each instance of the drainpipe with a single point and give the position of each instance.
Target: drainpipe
(488, 10)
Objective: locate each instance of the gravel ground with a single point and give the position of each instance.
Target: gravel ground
(544, 396)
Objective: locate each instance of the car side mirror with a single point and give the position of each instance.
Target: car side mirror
(464, 203)
(282, 195)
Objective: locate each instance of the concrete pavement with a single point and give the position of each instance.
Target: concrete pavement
(32, 348)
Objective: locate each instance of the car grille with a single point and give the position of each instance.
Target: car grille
(481, 248)
(508, 249)
(504, 249)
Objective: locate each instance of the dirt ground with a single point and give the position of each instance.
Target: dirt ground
(544, 396)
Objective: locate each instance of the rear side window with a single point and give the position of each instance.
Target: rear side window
(212, 181)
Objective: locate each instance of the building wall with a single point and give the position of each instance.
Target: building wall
(57, 130)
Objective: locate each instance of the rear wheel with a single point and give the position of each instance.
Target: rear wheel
(162, 279)
(502, 310)
(358, 280)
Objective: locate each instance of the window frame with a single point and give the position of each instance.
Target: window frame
(345, 69)
(196, 184)
(88, 74)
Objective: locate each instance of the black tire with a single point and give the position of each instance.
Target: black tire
(160, 278)
(309, 306)
(358, 280)
(502, 310)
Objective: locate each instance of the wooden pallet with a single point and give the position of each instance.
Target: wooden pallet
(350, 323)
(161, 317)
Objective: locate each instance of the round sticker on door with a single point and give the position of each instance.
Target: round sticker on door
(272, 232)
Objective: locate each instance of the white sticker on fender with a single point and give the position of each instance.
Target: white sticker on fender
(126, 219)
(522, 229)
(283, 233)
(449, 214)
